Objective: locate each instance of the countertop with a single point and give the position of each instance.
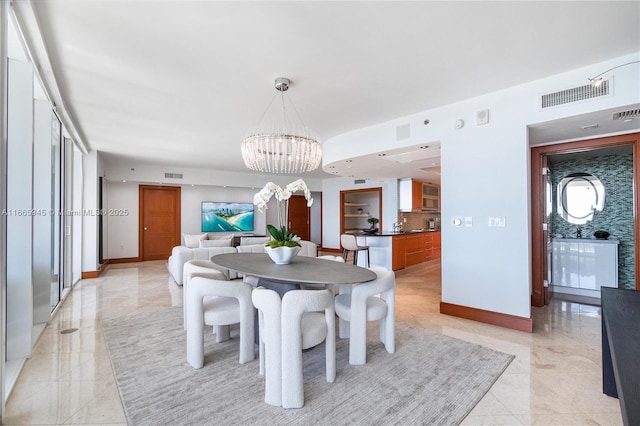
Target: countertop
(392, 233)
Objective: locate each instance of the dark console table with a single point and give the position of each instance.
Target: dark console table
(621, 350)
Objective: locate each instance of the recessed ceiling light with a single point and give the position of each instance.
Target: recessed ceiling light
(424, 147)
(349, 161)
(382, 154)
(331, 167)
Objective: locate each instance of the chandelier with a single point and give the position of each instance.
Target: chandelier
(281, 143)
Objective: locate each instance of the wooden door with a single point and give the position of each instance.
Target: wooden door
(299, 215)
(159, 221)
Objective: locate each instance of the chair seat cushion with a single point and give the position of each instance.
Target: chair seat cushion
(314, 329)
(221, 310)
(376, 307)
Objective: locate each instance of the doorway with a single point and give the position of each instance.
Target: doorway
(540, 291)
(159, 225)
(299, 217)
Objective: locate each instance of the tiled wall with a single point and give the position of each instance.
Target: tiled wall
(616, 174)
(417, 220)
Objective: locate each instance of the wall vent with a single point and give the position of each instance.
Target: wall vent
(173, 175)
(576, 94)
(403, 132)
(359, 181)
(627, 115)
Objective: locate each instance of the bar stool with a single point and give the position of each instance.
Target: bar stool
(349, 243)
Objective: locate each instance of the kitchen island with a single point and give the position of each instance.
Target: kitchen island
(397, 250)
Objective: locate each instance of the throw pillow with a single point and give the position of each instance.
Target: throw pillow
(193, 240)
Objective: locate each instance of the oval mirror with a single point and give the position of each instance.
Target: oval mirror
(579, 196)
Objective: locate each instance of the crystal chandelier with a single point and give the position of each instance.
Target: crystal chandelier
(281, 144)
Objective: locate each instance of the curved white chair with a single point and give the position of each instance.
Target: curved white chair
(231, 307)
(349, 243)
(286, 328)
(355, 306)
(203, 268)
(308, 248)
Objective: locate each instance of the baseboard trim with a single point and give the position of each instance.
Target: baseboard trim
(95, 274)
(489, 317)
(126, 260)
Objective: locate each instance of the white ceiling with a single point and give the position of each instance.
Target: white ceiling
(180, 82)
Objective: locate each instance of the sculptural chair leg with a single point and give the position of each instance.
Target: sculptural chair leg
(232, 305)
(362, 305)
(268, 304)
(304, 326)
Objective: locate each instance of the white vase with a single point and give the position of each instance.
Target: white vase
(282, 255)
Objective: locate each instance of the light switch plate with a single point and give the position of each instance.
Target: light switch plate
(468, 221)
(497, 222)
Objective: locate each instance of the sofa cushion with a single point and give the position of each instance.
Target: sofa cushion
(217, 243)
(193, 240)
(181, 254)
(245, 241)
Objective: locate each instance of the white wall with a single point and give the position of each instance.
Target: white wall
(485, 173)
(331, 206)
(122, 233)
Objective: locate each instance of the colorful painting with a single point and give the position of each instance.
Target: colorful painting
(227, 217)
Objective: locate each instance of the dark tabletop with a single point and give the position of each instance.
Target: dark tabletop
(302, 269)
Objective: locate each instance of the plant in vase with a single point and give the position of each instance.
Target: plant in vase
(283, 245)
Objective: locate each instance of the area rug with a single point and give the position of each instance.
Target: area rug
(431, 379)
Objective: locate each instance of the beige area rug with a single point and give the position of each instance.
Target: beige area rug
(431, 379)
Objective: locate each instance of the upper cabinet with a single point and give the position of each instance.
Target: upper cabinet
(418, 196)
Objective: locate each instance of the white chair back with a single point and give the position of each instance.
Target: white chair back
(348, 242)
(286, 328)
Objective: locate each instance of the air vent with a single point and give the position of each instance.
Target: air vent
(359, 181)
(403, 132)
(627, 115)
(576, 94)
(173, 175)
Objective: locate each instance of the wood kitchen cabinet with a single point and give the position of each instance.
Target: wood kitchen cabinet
(412, 249)
(397, 252)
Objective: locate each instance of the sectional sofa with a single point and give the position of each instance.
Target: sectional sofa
(204, 246)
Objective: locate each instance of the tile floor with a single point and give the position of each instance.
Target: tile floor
(555, 378)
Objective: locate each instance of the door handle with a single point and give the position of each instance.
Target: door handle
(145, 228)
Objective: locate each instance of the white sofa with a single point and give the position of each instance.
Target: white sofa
(181, 254)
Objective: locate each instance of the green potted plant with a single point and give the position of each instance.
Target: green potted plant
(373, 221)
(281, 237)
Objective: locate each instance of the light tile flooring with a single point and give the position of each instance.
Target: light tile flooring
(555, 378)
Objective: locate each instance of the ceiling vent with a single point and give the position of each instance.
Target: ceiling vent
(627, 115)
(359, 181)
(576, 94)
(173, 175)
(403, 132)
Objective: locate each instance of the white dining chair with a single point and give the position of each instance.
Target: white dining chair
(350, 243)
(303, 319)
(203, 268)
(359, 304)
(218, 303)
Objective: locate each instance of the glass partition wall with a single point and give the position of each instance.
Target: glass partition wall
(39, 213)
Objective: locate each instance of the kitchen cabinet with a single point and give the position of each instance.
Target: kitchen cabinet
(413, 249)
(430, 197)
(415, 196)
(581, 267)
(397, 252)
